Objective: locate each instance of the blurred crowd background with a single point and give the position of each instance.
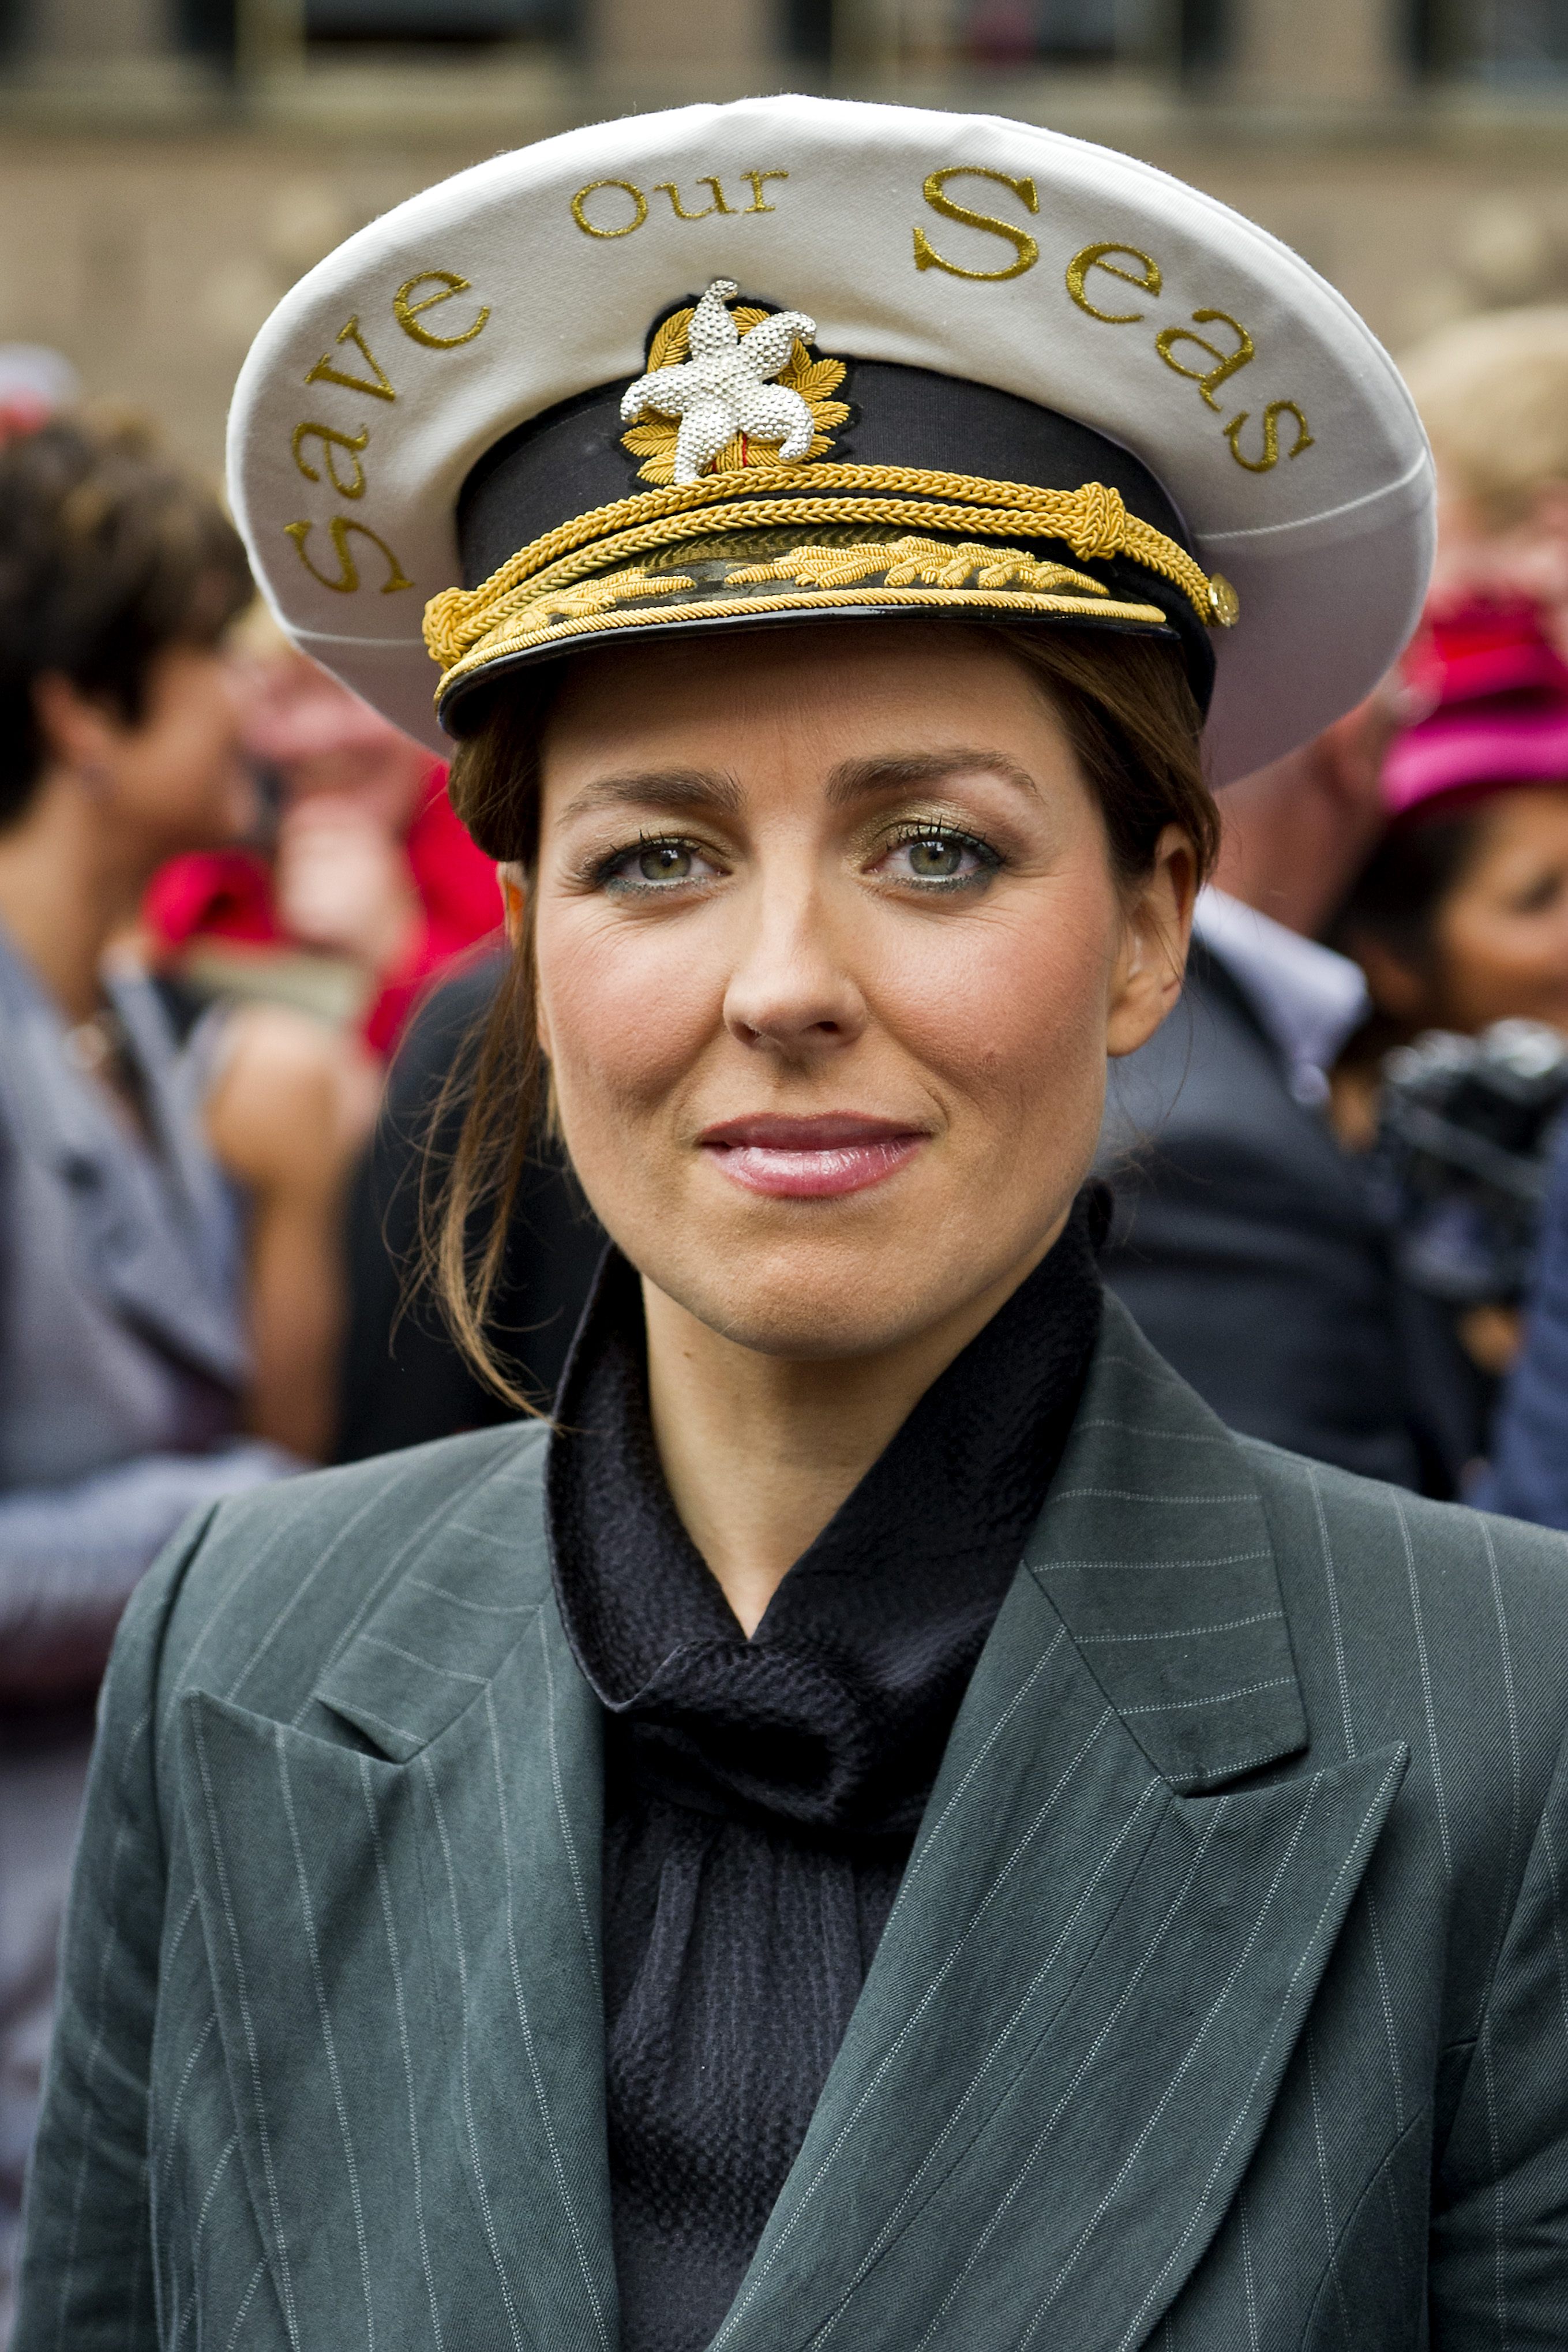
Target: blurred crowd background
(243, 940)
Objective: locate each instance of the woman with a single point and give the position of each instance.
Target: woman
(134, 1327)
(677, 1877)
(138, 1380)
(1459, 917)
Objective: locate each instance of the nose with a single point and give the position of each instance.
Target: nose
(792, 991)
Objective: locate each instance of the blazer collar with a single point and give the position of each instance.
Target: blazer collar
(1154, 1548)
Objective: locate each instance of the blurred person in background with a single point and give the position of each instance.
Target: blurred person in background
(1248, 1243)
(368, 871)
(168, 1190)
(1459, 920)
(1459, 917)
(1493, 395)
(1252, 1239)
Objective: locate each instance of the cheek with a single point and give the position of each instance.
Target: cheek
(625, 1009)
(191, 751)
(1010, 1007)
(1484, 942)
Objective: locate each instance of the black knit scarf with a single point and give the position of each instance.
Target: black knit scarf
(762, 1796)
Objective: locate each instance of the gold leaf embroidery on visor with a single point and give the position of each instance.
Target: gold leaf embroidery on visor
(592, 597)
(915, 572)
(463, 627)
(901, 562)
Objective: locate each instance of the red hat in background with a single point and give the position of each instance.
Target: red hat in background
(1493, 698)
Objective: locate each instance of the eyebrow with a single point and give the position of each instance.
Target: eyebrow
(851, 781)
(855, 780)
(692, 787)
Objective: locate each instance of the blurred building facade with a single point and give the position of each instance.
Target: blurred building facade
(168, 167)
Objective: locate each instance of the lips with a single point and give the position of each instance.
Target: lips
(811, 1158)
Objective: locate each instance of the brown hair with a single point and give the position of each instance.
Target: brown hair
(1399, 893)
(108, 556)
(1134, 729)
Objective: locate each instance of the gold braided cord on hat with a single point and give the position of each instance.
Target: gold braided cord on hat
(671, 530)
(1093, 520)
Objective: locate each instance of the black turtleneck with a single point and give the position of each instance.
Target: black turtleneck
(761, 1796)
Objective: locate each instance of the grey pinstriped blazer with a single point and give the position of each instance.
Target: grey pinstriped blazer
(1225, 2007)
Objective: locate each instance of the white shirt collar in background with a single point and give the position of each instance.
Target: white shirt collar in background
(1309, 999)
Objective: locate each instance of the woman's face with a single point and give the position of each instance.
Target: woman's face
(830, 957)
(1500, 936)
(174, 779)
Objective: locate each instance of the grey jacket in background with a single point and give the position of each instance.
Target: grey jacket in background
(1224, 2006)
(121, 1347)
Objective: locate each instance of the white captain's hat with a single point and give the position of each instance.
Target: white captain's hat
(794, 359)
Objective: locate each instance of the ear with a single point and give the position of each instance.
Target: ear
(513, 886)
(1146, 978)
(78, 733)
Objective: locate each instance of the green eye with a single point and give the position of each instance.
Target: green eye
(935, 857)
(655, 869)
(665, 861)
(939, 858)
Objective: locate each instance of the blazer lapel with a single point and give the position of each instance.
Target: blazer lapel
(404, 1947)
(1087, 1994)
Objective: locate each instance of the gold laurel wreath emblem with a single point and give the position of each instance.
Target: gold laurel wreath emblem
(653, 437)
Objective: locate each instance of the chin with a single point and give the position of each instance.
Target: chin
(813, 1296)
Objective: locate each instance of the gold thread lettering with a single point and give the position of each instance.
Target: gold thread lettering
(325, 373)
(407, 313)
(586, 226)
(348, 580)
(668, 188)
(1228, 361)
(1271, 458)
(756, 179)
(1093, 257)
(331, 439)
(1027, 251)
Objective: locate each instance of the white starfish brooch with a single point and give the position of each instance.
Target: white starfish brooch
(726, 388)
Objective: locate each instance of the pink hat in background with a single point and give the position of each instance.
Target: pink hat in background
(1494, 698)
